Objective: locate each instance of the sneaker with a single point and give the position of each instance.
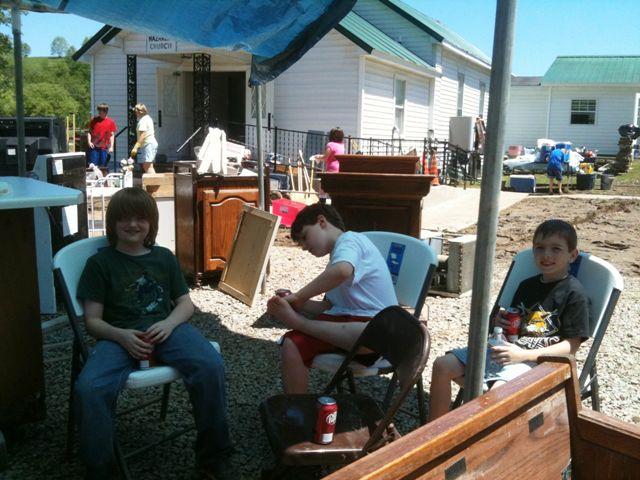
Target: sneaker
(223, 469)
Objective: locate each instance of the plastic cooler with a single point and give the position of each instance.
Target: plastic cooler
(523, 183)
(287, 210)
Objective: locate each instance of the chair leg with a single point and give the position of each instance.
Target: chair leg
(458, 401)
(422, 411)
(71, 417)
(166, 389)
(595, 390)
(352, 382)
(390, 389)
(121, 460)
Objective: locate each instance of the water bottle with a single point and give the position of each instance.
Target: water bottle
(496, 338)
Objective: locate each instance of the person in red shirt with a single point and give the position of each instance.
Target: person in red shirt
(101, 136)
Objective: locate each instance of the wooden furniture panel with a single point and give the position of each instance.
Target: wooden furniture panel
(378, 201)
(402, 164)
(220, 211)
(207, 209)
(529, 428)
(22, 394)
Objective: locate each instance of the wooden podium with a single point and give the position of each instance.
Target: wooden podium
(378, 201)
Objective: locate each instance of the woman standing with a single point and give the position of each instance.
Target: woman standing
(146, 145)
(331, 164)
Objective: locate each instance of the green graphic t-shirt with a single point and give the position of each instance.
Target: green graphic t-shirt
(136, 291)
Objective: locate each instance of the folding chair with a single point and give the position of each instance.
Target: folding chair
(361, 425)
(412, 264)
(603, 285)
(68, 265)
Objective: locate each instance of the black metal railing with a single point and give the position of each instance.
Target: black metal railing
(455, 165)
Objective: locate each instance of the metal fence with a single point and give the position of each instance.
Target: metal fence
(455, 165)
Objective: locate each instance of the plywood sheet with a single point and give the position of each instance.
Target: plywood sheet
(247, 262)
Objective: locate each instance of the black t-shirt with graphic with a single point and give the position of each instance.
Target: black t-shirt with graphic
(136, 291)
(551, 312)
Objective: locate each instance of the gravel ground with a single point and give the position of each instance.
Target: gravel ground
(247, 339)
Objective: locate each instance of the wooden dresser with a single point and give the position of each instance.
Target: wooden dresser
(207, 208)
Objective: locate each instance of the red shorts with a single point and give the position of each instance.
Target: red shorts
(309, 346)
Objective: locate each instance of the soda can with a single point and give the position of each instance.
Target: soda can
(512, 314)
(283, 292)
(148, 361)
(326, 420)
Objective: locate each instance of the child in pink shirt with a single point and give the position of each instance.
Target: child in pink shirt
(334, 147)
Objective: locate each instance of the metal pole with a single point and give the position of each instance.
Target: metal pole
(260, 143)
(17, 58)
(489, 196)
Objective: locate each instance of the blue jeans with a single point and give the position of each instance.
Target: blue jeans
(104, 376)
(98, 156)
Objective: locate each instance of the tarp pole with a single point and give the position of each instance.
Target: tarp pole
(17, 58)
(260, 143)
(489, 197)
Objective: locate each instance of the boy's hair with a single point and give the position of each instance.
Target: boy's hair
(336, 135)
(103, 106)
(309, 216)
(132, 202)
(558, 227)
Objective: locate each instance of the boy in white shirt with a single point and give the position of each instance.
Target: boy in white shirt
(357, 284)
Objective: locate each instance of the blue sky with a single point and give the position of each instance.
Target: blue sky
(544, 28)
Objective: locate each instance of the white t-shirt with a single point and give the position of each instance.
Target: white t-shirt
(145, 124)
(370, 290)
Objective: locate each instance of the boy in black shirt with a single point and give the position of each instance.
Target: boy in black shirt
(555, 318)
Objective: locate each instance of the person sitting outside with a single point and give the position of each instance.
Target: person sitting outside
(555, 319)
(356, 283)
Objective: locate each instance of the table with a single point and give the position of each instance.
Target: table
(22, 396)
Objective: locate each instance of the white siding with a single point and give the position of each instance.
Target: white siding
(446, 92)
(397, 27)
(320, 91)
(378, 108)
(526, 115)
(615, 106)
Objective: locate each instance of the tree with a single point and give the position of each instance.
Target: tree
(59, 47)
(70, 51)
(26, 50)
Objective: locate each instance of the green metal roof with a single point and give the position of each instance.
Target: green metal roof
(594, 70)
(436, 29)
(370, 38)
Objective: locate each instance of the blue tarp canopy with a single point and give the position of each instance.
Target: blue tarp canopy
(276, 32)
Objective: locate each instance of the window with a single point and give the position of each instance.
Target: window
(583, 112)
(460, 93)
(254, 101)
(399, 91)
(483, 91)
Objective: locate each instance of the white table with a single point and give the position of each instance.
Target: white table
(22, 373)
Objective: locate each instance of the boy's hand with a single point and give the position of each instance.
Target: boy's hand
(279, 308)
(160, 331)
(296, 302)
(500, 321)
(508, 354)
(132, 341)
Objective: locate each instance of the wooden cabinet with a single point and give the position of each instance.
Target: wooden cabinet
(207, 209)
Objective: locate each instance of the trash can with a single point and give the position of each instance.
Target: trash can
(606, 181)
(585, 181)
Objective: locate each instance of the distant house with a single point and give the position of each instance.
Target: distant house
(385, 65)
(583, 99)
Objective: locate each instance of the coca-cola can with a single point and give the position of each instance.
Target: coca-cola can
(283, 292)
(326, 420)
(512, 314)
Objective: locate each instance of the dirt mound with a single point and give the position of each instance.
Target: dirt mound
(609, 229)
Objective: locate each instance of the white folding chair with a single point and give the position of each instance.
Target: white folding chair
(68, 265)
(602, 283)
(412, 264)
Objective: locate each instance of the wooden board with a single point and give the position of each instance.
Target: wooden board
(158, 185)
(247, 262)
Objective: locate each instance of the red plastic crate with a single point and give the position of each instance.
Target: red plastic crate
(287, 210)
